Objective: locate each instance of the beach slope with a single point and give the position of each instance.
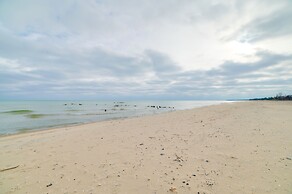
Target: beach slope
(243, 147)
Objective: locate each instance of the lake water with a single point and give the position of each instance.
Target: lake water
(20, 116)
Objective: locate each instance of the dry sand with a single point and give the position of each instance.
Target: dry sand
(241, 147)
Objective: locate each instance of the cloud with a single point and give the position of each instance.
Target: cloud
(229, 79)
(149, 49)
(236, 78)
(233, 68)
(268, 25)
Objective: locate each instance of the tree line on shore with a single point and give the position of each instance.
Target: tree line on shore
(279, 96)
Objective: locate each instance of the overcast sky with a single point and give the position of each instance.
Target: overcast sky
(145, 49)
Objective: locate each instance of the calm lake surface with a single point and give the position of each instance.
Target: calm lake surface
(20, 116)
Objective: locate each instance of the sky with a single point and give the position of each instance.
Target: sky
(145, 50)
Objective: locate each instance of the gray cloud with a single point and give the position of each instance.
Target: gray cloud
(273, 25)
(232, 68)
(223, 82)
(236, 78)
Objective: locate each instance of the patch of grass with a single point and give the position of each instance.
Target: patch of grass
(35, 116)
(19, 112)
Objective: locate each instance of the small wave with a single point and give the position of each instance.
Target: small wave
(73, 110)
(98, 114)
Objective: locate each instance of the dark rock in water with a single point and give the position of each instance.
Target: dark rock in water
(65, 104)
(80, 104)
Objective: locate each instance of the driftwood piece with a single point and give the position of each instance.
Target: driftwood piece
(10, 168)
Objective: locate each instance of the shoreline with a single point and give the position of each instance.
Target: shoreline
(242, 147)
(87, 113)
(30, 131)
(61, 126)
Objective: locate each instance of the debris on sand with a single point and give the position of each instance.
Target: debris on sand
(178, 158)
(172, 189)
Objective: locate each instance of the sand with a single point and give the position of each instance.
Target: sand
(243, 147)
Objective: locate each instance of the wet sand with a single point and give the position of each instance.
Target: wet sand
(243, 147)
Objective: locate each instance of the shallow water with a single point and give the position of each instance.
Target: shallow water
(19, 116)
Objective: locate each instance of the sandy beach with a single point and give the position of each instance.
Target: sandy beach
(243, 147)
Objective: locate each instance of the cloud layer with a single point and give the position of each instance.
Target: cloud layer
(146, 50)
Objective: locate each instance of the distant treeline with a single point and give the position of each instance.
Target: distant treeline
(277, 97)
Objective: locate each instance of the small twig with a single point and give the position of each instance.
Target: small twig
(10, 168)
